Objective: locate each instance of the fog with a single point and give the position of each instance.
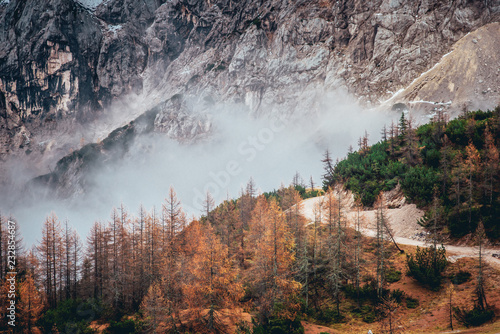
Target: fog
(269, 149)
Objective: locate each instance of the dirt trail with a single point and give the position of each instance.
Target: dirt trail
(403, 222)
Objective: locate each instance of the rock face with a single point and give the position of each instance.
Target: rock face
(465, 78)
(59, 61)
(63, 63)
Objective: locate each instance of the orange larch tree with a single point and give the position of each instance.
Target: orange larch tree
(272, 275)
(212, 280)
(30, 304)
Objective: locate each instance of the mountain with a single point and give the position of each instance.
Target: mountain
(465, 78)
(73, 71)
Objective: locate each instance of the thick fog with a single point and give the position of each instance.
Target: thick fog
(269, 149)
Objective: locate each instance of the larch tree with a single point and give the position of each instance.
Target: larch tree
(175, 217)
(297, 180)
(258, 223)
(491, 166)
(388, 309)
(457, 176)
(76, 259)
(384, 132)
(30, 303)
(208, 206)
(481, 302)
(114, 227)
(381, 252)
(95, 260)
(292, 206)
(272, 263)
(153, 237)
(49, 250)
(336, 245)
(141, 247)
(246, 203)
(357, 252)
(212, 282)
(316, 235)
(68, 266)
(153, 307)
(125, 255)
(450, 290)
(175, 222)
(471, 165)
(330, 206)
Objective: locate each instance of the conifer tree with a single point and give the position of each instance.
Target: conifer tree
(491, 166)
(153, 307)
(212, 281)
(480, 293)
(49, 250)
(357, 252)
(30, 303)
(472, 164)
(271, 272)
(328, 168)
(380, 243)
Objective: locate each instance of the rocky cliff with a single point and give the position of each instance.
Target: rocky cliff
(65, 65)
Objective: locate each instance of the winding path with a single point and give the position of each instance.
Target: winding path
(403, 223)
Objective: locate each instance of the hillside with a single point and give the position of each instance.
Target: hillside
(252, 265)
(450, 168)
(142, 144)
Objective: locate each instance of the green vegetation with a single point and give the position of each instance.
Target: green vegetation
(71, 316)
(302, 191)
(460, 277)
(427, 265)
(221, 67)
(456, 162)
(124, 327)
(258, 253)
(279, 326)
(474, 317)
(411, 302)
(393, 276)
(209, 67)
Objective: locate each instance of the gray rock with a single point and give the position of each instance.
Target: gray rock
(61, 63)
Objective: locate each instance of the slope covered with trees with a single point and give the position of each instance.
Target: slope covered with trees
(174, 275)
(451, 168)
(158, 272)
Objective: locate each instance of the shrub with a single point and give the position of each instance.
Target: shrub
(279, 326)
(209, 67)
(427, 265)
(397, 295)
(71, 316)
(393, 276)
(330, 315)
(124, 327)
(474, 317)
(369, 316)
(411, 302)
(460, 277)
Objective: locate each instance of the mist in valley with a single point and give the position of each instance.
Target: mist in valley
(269, 149)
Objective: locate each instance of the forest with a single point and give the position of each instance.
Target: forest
(451, 168)
(157, 271)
